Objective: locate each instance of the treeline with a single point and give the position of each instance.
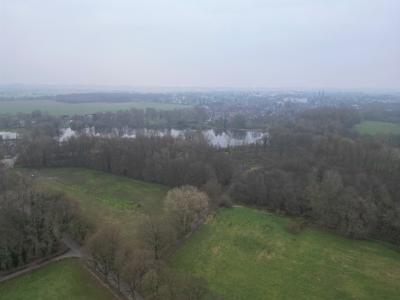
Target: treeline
(317, 168)
(111, 97)
(39, 122)
(107, 122)
(31, 221)
(138, 265)
(313, 166)
(36, 123)
(95, 97)
(164, 160)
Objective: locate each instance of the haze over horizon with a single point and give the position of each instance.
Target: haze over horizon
(351, 44)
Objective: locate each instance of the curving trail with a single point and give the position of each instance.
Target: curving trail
(32, 267)
(75, 251)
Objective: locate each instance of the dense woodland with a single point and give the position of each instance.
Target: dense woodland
(314, 166)
(31, 221)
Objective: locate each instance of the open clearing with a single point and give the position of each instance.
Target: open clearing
(248, 254)
(62, 108)
(102, 196)
(94, 187)
(66, 279)
(375, 128)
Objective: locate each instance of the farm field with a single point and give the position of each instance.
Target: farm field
(62, 108)
(375, 128)
(66, 279)
(248, 254)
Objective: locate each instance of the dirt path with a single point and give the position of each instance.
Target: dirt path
(75, 251)
(34, 267)
(73, 246)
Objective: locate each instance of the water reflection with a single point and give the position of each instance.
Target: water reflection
(7, 135)
(217, 138)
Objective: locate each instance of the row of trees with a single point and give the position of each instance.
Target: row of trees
(166, 160)
(107, 122)
(119, 122)
(36, 122)
(137, 266)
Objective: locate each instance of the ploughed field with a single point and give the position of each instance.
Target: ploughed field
(378, 128)
(63, 108)
(248, 254)
(66, 279)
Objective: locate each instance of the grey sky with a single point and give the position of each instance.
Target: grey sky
(229, 43)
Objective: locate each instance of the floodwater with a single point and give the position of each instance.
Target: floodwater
(6, 135)
(216, 138)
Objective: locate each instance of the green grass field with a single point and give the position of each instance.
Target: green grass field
(63, 280)
(248, 254)
(376, 128)
(104, 198)
(61, 108)
(97, 190)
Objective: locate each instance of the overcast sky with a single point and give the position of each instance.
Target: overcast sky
(202, 43)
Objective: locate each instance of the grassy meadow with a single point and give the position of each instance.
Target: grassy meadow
(62, 280)
(248, 254)
(102, 196)
(378, 128)
(62, 108)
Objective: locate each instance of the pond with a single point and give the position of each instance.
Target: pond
(216, 138)
(6, 135)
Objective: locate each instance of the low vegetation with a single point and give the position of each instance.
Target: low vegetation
(66, 279)
(378, 128)
(63, 108)
(244, 253)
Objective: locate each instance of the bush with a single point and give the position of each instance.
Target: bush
(225, 201)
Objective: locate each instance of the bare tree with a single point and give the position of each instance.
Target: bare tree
(187, 206)
(103, 247)
(157, 234)
(136, 267)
